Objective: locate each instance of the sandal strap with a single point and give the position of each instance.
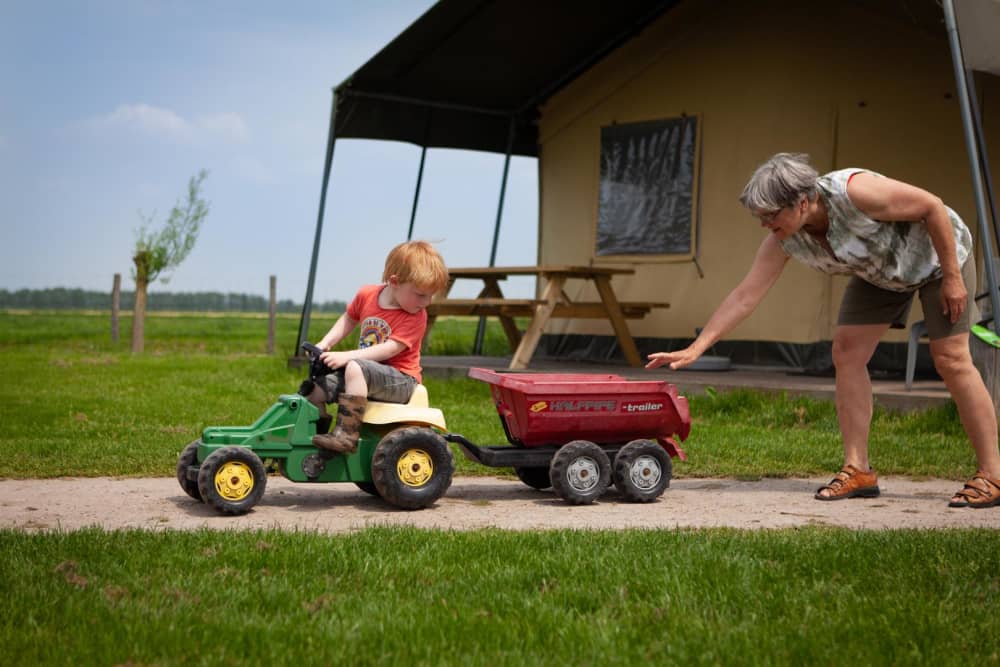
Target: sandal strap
(840, 479)
(979, 487)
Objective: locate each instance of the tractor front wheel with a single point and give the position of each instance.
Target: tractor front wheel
(642, 471)
(412, 467)
(580, 472)
(188, 458)
(232, 480)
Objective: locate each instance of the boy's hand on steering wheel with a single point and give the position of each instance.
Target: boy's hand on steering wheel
(335, 359)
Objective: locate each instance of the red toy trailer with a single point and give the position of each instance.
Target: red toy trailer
(567, 429)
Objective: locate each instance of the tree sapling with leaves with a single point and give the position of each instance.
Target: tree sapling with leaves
(159, 251)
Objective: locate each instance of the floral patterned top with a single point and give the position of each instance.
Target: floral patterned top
(897, 256)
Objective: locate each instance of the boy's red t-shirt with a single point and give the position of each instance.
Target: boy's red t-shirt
(380, 324)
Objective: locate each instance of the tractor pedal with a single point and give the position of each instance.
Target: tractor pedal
(314, 464)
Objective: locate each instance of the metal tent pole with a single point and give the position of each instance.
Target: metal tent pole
(983, 155)
(307, 304)
(973, 153)
(477, 348)
(416, 193)
(420, 177)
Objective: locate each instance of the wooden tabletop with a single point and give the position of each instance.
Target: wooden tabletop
(568, 270)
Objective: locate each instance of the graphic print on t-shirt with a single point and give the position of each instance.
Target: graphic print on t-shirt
(374, 330)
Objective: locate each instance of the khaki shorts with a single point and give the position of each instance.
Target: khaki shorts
(864, 303)
(385, 383)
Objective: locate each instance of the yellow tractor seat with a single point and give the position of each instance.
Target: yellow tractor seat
(416, 411)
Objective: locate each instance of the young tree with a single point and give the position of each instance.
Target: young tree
(159, 251)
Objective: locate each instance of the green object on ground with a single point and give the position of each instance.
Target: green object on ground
(985, 335)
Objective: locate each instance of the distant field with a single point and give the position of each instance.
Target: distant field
(232, 333)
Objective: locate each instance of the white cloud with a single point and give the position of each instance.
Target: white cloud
(228, 125)
(149, 119)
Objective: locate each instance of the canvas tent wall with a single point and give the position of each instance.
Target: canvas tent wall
(857, 83)
(844, 98)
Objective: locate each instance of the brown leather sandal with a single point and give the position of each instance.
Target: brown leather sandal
(850, 483)
(980, 491)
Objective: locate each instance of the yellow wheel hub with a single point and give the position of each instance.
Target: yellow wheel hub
(414, 467)
(234, 480)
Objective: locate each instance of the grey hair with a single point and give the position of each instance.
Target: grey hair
(780, 182)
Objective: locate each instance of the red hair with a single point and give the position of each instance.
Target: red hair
(419, 263)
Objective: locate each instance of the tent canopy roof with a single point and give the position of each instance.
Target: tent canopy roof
(459, 73)
(467, 71)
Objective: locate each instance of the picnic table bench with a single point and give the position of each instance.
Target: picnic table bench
(554, 303)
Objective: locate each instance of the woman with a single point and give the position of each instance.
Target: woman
(895, 240)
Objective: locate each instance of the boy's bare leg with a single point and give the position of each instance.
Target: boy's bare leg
(351, 406)
(354, 380)
(318, 398)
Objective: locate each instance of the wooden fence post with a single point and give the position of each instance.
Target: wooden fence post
(272, 310)
(116, 302)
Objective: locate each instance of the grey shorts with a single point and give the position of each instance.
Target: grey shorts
(864, 303)
(385, 383)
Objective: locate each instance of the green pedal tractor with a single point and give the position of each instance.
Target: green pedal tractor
(402, 456)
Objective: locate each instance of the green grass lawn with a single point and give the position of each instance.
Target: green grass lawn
(411, 597)
(75, 404)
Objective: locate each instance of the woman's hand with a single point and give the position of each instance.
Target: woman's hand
(678, 359)
(953, 297)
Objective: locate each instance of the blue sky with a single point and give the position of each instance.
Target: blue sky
(108, 107)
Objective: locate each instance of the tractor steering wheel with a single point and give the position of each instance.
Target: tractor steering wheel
(317, 368)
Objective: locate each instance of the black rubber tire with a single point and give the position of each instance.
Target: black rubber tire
(188, 457)
(642, 471)
(248, 472)
(536, 478)
(580, 472)
(412, 467)
(368, 487)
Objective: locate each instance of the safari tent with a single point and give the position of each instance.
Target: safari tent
(647, 117)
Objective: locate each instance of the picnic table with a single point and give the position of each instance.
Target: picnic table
(553, 303)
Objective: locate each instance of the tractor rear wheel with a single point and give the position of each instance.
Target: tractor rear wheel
(367, 487)
(232, 480)
(642, 471)
(188, 458)
(412, 467)
(580, 472)
(536, 478)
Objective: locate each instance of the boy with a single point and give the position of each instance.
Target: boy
(386, 365)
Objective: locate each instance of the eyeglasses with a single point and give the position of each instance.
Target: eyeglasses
(767, 219)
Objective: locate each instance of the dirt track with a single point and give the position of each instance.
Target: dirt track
(481, 502)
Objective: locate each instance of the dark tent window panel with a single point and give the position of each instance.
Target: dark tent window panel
(647, 188)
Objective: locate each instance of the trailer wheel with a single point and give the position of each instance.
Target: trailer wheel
(412, 467)
(536, 478)
(188, 458)
(642, 471)
(232, 480)
(580, 472)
